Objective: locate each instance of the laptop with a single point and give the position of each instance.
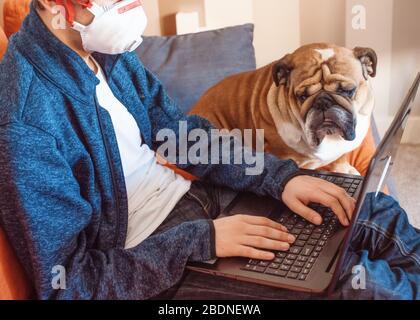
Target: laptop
(315, 261)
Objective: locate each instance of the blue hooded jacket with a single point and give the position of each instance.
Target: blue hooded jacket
(63, 200)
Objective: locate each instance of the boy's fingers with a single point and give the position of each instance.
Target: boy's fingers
(305, 212)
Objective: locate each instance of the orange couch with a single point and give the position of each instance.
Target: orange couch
(14, 11)
(14, 284)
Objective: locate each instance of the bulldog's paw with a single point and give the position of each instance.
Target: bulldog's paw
(345, 168)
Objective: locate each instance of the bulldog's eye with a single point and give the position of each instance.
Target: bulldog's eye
(347, 92)
(302, 97)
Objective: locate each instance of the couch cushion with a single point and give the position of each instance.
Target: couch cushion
(3, 43)
(13, 282)
(14, 11)
(190, 64)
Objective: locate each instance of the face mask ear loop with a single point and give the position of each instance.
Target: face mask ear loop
(71, 13)
(96, 10)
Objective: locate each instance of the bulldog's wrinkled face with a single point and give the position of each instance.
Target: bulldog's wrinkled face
(327, 88)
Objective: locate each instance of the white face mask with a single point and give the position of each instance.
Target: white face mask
(116, 28)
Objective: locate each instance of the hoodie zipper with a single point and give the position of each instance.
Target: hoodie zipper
(112, 170)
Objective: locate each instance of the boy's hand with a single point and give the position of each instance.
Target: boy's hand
(244, 236)
(303, 190)
(256, 237)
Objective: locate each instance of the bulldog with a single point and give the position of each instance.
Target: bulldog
(314, 105)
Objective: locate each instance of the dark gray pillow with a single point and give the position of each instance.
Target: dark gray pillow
(189, 65)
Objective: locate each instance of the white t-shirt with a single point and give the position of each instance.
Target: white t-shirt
(153, 190)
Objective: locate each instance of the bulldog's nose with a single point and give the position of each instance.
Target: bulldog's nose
(324, 101)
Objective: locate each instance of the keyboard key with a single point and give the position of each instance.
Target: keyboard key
(274, 265)
(318, 249)
(289, 226)
(309, 266)
(310, 226)
(315, 254)
(329, 232)
(302, 277)
(296, 231)
(302, 259)
(292, 275)
(316, 236)
(300, 225)
(307, 231)
(285, 267)
(295, 250)
(291, 257)
(258, 269)
(339, 180)
(318, 230)
(299, 243)
(306, 271)
(263, 263)
(278, 260)
(275, 272)
(311, 260)
(313, 242)
(299, 264)
(281, 255)
(253, 262)
(296, 269)
(303, 237)
(307, 250)
(288, 262)
(282, 220)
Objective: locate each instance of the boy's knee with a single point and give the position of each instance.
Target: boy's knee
(383, 213)
(380, 205)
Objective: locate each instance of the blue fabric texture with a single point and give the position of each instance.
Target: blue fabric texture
(63, 198)
(189, 65)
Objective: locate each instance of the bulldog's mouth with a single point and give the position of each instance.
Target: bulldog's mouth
(333, 121)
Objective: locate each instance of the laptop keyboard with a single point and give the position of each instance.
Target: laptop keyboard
(298, 262)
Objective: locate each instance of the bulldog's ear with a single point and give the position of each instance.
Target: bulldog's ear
(369, 60)
(281, 70)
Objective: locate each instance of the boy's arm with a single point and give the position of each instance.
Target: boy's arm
(47, 221)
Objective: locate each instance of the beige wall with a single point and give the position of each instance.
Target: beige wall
(405, 49)
(377, 35)
(277, 29)
(152, 9)
(322, 21)
(168, 9)
(405, 61)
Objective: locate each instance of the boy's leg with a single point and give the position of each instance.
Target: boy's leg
(386, 249)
